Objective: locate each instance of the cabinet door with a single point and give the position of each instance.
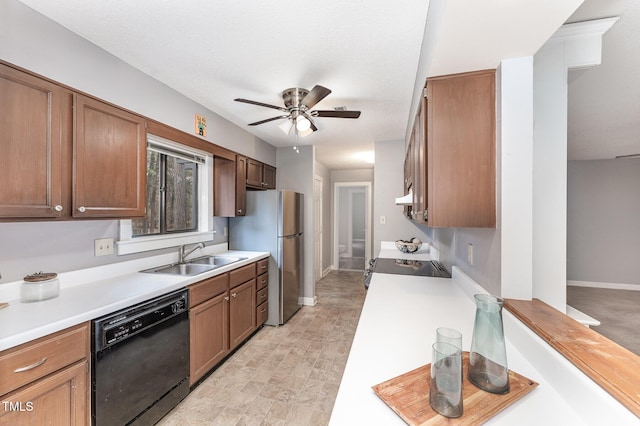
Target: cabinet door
(109, 161)
(269, 176)
(461, 150)
(224, 187)
(241, 185)
(254, 174)
(242, 312)
(33, 128)
(61, 398)
(209, 331)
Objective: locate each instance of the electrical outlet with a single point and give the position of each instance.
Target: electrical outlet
(470, 254)
(383, 220)
(103, 247)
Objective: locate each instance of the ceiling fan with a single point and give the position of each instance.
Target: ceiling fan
(297, 106)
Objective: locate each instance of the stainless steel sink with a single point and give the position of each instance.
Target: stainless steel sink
(187, 269)
(216, 261)
(195, 266)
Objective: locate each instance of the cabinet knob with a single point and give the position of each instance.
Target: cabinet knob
(226, 298)
(58, 208)
(239, 210)
(82, 209)
(234, 294)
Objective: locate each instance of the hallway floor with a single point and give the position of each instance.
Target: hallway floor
(287, 375)
(617, 310)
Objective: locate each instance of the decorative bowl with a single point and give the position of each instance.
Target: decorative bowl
(410, 246)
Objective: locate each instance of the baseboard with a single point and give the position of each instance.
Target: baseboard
(309, 301)
(326, 271)
(610, 286)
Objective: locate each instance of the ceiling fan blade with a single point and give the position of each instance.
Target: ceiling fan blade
(336, 114)
(268, 120)
(247, 101)
(316, 94)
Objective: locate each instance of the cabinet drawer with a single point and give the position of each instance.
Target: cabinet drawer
(206, 289)
(263, 266)
(262, 311)
(241, 275)
(261, 296)
(33, 360)
(263, 280)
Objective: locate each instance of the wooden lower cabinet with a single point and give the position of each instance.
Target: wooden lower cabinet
(209, 328)
(242, 312)
(58, 399)
(223, 313)
(46, 381)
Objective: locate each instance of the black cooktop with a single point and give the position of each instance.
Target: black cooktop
(425, 268)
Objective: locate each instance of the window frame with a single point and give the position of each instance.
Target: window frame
(128, 244)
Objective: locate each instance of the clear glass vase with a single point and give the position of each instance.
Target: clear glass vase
(488, 368)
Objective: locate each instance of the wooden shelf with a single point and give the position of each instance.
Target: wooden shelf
(614, 368)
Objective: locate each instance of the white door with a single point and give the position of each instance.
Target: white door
(317, 228)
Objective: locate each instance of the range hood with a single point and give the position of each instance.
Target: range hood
(406, 200)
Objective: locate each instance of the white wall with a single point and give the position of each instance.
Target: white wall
(33, 42)
(388, 176)
(327, 215)
(603, 209)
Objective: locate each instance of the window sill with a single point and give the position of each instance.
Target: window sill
(142, 244)
(614, 368)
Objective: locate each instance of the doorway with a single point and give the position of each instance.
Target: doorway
(352, 225)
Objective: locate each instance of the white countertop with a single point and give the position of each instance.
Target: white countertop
(388, 250)
(94, 292)
(395, 333)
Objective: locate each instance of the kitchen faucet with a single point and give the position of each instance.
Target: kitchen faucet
(182, 253)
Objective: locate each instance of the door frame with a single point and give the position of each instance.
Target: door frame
(368, 212)
(318, 226)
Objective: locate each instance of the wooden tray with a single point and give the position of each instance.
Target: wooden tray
(408, 396)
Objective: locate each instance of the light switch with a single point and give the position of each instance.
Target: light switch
(470, 254)
(383, 220)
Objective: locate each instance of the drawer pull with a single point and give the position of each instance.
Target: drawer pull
(264, 266)
(263, 296)
(31, 367)
(263, 310)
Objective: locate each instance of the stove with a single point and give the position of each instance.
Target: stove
(424, 268)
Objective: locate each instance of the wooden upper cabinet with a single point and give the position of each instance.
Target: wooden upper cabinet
(109, 161)
(461, 151)
(33, 123)
(254, 174)
(260, 175)
(241, 188)
(269, 176)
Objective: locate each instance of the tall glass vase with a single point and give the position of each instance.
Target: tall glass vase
(488, 368)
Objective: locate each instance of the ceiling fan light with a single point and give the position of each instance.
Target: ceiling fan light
(286, 126)
(306, 132)
(302, 124)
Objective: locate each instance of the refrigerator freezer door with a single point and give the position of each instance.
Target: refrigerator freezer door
(291, 213)
(290, 276)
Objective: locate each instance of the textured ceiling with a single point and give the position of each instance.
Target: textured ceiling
(367, 52)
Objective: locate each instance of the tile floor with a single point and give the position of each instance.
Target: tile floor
(286, 375)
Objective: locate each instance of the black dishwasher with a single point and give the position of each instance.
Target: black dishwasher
(140, 361)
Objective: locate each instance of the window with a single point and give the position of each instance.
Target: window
(179, 208)
(172, 189)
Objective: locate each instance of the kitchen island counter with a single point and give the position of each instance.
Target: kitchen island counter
(394, 335)
(90, 293)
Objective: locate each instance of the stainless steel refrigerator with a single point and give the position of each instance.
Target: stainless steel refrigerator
(274, 222)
